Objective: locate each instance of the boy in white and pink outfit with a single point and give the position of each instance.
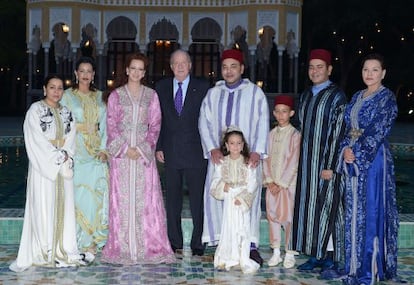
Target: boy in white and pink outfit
(280, 172)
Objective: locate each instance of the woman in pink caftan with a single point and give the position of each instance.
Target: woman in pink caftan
(137, 228)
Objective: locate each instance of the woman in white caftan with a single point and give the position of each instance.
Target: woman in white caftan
(49, 232)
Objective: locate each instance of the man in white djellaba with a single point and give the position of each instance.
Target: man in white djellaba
(238, 102)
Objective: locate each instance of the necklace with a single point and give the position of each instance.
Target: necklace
(57, 106)
(367, 93)
(135, 93)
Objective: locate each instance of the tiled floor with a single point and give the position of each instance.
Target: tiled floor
(188, 270)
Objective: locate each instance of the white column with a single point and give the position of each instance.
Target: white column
(46, 46)
(29, 77)
(75, 47)
(296, 72)
(280, 50)
(252, 62)
(99, 67)
(30, 69)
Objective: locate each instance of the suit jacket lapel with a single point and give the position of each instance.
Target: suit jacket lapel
(189, 95)
(170, 96)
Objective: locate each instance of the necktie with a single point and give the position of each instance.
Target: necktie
(178, 100)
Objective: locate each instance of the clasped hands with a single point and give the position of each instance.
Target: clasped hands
(349, 156)
(133, 153)
(274, 188)
(226, 189)
(102, 156)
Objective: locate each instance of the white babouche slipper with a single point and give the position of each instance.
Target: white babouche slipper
(289, 261)
(275, 260)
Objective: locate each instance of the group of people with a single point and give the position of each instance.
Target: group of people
(93, 182)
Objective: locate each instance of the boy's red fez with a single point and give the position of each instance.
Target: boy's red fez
(321, 54)
(285, 100)
(234, 54)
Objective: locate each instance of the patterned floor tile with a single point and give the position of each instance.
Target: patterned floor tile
(186, 271)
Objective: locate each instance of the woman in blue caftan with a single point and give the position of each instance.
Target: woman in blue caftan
(370, 196)
(91, 167)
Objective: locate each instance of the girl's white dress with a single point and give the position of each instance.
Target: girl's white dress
(234, 245)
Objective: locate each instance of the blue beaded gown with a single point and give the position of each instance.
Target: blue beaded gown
(371, 222)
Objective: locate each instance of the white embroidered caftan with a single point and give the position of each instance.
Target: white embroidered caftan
(236, 233)
(49, 232)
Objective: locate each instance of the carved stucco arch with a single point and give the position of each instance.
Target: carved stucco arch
(206, 29)
(121, 28)
(164, 30)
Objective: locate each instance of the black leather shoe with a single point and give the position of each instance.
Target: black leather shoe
(255, 255)
(198, 252)
(179, 253)
(311, 264)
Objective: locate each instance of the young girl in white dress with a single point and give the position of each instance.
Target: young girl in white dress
(235, 183)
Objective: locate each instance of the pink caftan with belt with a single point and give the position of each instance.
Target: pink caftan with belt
(137, 227)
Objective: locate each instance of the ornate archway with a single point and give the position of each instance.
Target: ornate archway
(205, 48)
(121, 33)
(163, 37)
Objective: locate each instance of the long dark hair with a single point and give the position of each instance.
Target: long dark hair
(245, 151)
(122, 78)
(85, 59)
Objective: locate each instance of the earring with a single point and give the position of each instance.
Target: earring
(77, 80)
(44, 94)
(92, 82)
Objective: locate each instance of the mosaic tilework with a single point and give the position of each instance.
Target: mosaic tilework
(11, 141)
(10, 232)
(406, 217)
(188, 270)
(406, 235)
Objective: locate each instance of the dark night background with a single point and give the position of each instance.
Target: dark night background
(349, 28)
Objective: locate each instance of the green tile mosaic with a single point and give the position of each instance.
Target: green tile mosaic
(10, 232)
(406, 234)
(188, 270)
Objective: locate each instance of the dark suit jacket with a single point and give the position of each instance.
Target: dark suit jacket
(179, 137)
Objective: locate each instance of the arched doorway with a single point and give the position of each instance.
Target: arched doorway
(205, 49)
(163, 37)
(60, 54)
(267, 59)
(121, 33)
(88, 42)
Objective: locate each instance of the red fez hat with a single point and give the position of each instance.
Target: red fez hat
(321, 54)
(234, 54)
(285, 100)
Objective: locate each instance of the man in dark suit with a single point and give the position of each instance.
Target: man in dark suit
(179, 148)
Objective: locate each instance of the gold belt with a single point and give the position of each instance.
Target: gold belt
(87, 128)
(58, 143)
(355, 133)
